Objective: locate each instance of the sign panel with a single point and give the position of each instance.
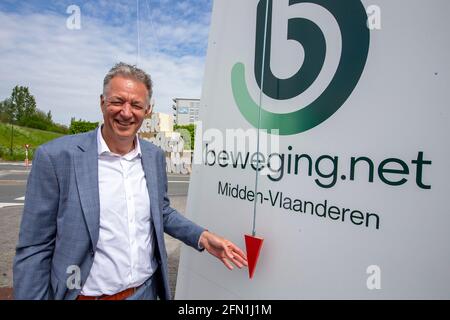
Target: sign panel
(183, 110)
(347, 181)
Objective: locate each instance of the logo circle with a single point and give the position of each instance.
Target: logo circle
(352, 20)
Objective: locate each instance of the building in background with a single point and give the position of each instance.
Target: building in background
(185, 111)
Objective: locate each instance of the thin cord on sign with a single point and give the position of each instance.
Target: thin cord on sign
(152, 26)
(259, 116)
(138, 34)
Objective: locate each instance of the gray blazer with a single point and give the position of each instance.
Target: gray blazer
(60, 222)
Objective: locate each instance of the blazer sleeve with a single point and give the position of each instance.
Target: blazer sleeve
(175, 224)
(34, 251)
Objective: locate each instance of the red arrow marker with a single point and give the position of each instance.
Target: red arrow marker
(253, 246)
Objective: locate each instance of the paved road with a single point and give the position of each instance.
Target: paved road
(13, 179)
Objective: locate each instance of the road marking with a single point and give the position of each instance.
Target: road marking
(5, 204)
(20, 198)
(12, 182)
(21, 164)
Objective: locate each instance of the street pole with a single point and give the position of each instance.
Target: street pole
(12, 134)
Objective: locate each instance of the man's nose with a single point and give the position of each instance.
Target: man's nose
(126, 111)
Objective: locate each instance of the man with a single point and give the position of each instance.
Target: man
(96, 208)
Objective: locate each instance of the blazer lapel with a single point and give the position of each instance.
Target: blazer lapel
(149, 166)
(86, 173)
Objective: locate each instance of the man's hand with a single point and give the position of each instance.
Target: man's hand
(223, 249)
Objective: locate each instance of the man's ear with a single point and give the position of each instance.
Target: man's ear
(102, 103)
(149, 109)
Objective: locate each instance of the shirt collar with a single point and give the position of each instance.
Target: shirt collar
(103, 149)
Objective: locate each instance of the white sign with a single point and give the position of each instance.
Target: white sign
(158, 129)
(354, 202)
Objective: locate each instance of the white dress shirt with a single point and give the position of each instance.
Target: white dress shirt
(124, 257)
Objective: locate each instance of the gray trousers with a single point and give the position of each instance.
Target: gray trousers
(147, 291)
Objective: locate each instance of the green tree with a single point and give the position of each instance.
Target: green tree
(23, 104)
(81, 126)
(188, 134)
(6, 111)
(21, 109)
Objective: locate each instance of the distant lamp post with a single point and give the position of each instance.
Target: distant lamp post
(12, 137)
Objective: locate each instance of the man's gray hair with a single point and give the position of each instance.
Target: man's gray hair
(129, 71)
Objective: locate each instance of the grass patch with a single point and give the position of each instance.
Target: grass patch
(22, 136)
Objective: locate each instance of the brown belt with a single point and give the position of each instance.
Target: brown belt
(122, 295)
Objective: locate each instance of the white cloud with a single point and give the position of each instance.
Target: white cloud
(64, 69)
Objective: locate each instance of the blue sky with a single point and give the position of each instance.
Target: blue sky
(64, 68)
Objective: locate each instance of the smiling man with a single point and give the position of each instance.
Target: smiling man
(96, 209)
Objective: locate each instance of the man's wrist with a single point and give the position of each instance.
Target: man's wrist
(202, 240)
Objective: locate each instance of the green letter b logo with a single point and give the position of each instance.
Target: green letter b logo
(352, 20)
